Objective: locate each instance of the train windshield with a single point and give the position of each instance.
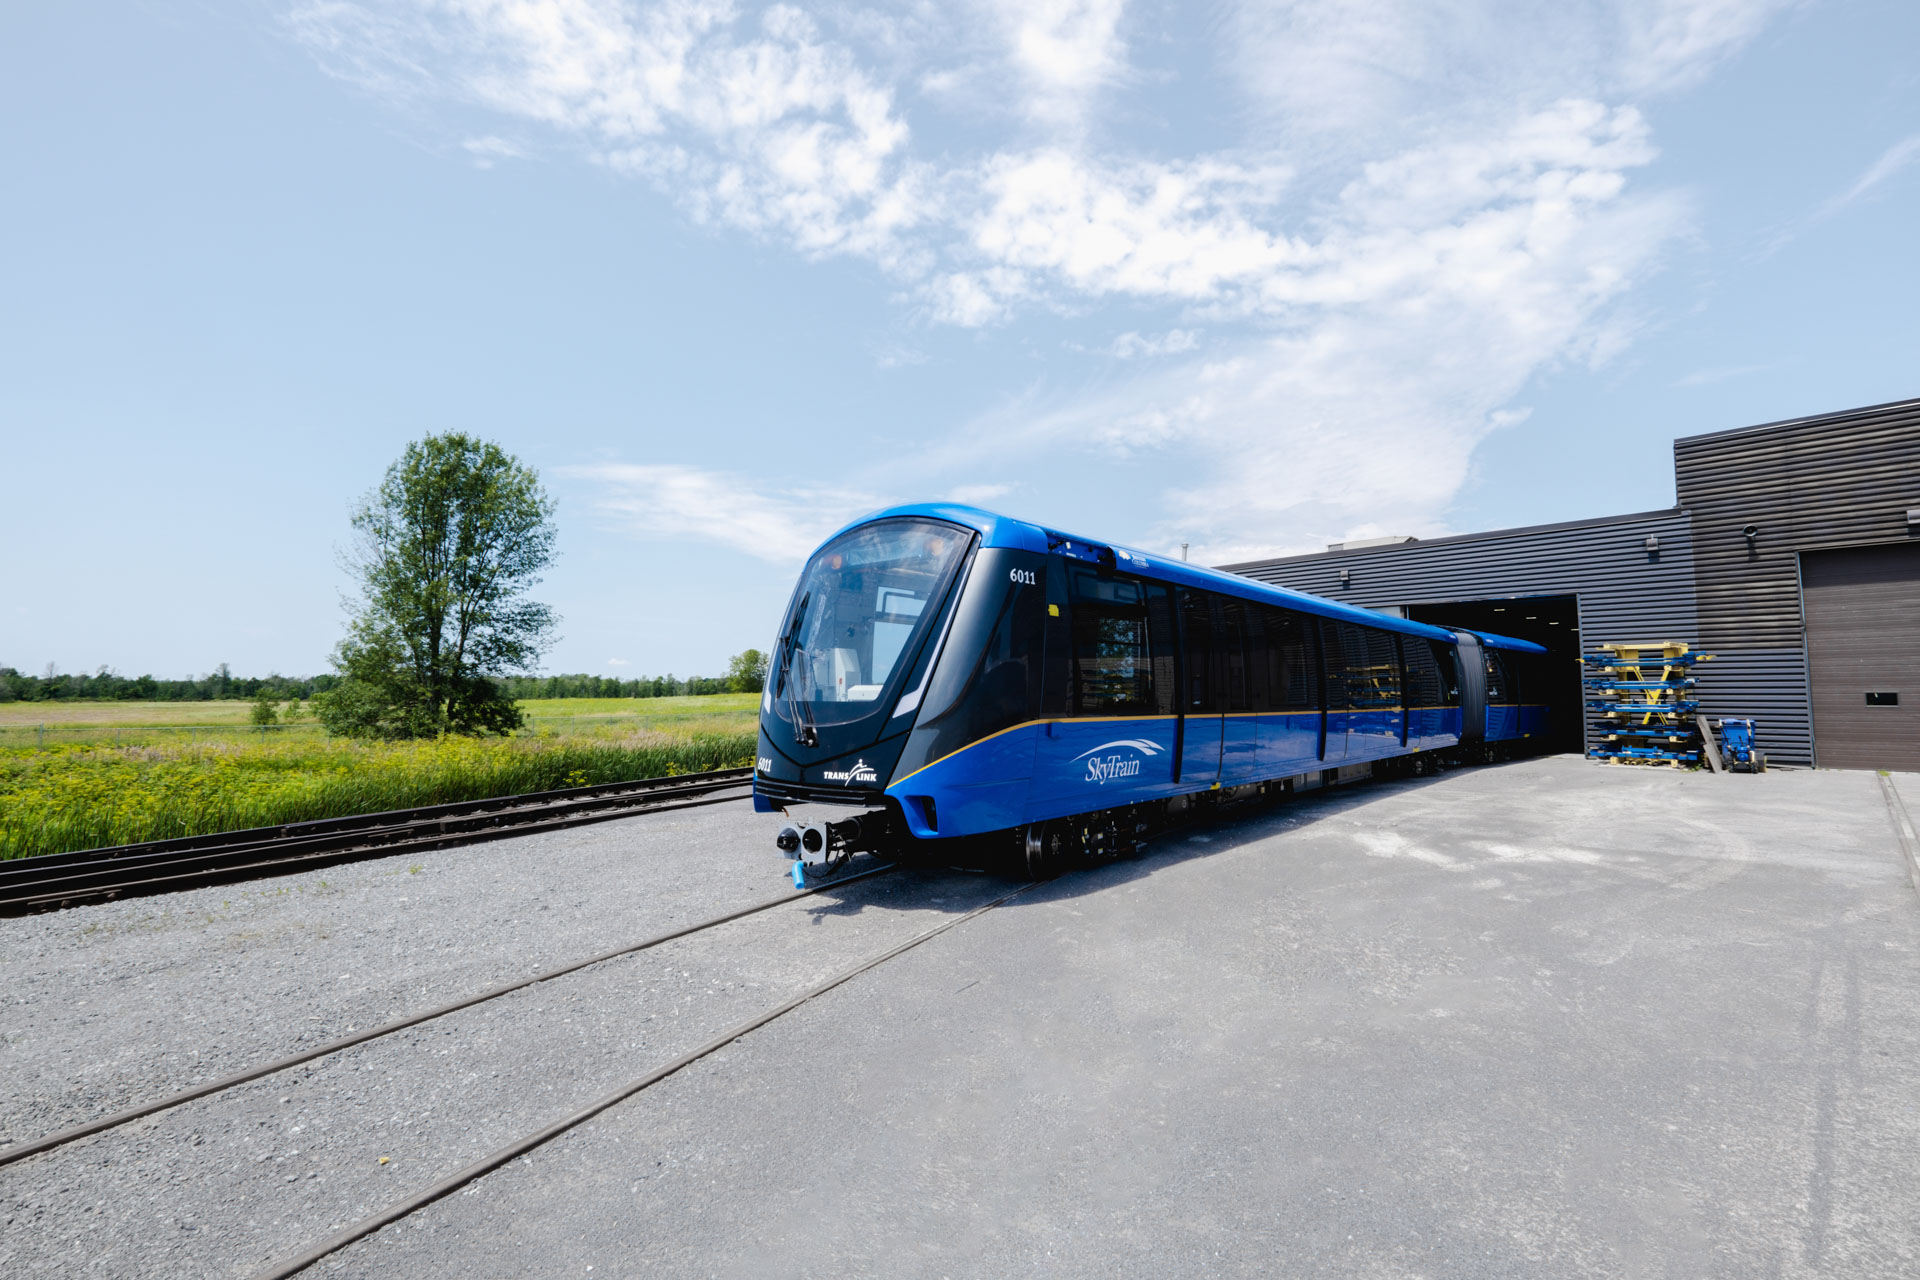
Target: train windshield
(861, 608)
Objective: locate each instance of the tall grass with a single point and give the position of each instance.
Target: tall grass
(58, 798)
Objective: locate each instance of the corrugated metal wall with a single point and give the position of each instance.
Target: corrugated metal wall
(1624, 593)
(1836, 480)
(1839, 479)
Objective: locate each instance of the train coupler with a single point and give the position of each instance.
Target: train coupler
(830, 844)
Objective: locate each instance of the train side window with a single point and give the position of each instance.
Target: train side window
(1372, 667)
(1361, 693)
(1258, 663)
(1333, 666)
(1425, 686)
(1498, 688)
(1112, 646)
(1383, 662)
(1236, 691)
(1290, 662)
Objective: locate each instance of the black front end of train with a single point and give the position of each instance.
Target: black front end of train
(846, 677)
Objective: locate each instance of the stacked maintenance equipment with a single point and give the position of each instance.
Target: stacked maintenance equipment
(1642, 718)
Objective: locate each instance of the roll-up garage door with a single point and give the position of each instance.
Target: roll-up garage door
(1863, 646)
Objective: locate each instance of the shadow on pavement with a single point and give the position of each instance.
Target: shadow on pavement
(930, 885)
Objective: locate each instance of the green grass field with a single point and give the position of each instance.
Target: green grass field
(118, 773)
(156, 723)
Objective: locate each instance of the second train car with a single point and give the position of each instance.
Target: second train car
(957, 674)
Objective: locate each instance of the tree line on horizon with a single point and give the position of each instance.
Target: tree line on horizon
(107, 685)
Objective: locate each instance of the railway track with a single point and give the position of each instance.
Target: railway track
(53, 881)
(295, 1263)
(306, 1257)
(12, 1154)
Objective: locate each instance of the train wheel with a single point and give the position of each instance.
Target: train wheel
(1047, 846)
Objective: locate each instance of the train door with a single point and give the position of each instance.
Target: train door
(1238, 634)
(1200, 737)
(1333, 693)
(1503, 702)
(1290, 729)
(1120, 731)
(1375, 714)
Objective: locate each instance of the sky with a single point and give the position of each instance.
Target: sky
(1254, 277)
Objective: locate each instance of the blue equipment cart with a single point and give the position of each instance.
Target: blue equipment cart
(1736, 745)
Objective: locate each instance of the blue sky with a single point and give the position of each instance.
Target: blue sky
(1252, 276)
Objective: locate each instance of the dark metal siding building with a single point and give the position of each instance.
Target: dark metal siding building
(1804, 486)
(1804, 489)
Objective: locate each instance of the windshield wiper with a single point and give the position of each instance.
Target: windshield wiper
(804, 729)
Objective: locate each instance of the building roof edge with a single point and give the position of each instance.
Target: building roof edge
(1801, 421)
(1456, 538)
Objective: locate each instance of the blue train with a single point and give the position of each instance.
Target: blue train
(974, 681)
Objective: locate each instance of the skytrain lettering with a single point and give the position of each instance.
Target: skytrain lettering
(1099, 770)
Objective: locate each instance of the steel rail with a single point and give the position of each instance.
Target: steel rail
(486, 1164)
(56, 880)
(8, 1155)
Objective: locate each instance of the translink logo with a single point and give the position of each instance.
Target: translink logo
(860, 773)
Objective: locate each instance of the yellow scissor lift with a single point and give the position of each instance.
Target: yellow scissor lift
(1642, 718)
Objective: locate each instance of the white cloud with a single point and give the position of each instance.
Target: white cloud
(1891, 161)
(1064, 50)
(1346, 68)
(618, 662)
(1672, 44)
(777, 130)
(1135, 346)
(671, 501)
(765, 126)
(1444, 279)
(485, 151)
(895, 355)
(1183, 231)
(1428, 203)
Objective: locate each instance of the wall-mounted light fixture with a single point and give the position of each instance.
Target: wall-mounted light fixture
(1752, 534)
(1346, 577)
(1913, 517)
(1652, 544)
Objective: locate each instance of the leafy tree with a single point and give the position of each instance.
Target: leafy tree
(447, 548)
(265, 710)
(747, 672)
